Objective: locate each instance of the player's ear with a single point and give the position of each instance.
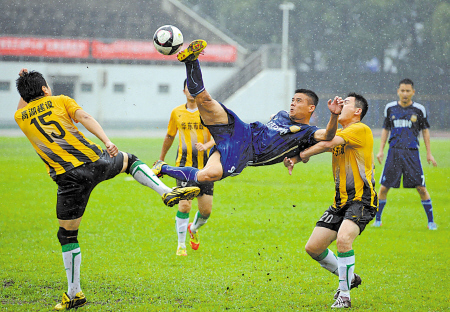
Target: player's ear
(47, 91)
(358, 111)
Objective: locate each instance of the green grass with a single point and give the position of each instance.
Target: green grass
(252, 249)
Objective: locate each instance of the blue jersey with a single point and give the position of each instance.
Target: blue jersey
(405, 124)
(279, 138)
(241, 144)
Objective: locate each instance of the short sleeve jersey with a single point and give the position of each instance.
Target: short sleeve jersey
(191, 131)
(405, 124)
(48, 124)
(279, 138)
(353, 167)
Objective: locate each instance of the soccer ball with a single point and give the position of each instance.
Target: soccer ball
(168, 40)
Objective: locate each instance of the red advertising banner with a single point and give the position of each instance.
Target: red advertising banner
(118, 49)
(44, 47)
(126, 50)
(144, 50)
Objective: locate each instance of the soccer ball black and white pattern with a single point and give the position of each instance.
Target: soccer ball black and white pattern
(168, 40)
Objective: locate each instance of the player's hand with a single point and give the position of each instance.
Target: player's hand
(289, 164)
(111, 148)
(23, 71)
(200, 147)
(430, 159)
(304, 159)
(380, 157)
(335, 105)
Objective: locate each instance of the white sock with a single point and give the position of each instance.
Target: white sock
(72, 263)
(329, 261)
(181, 224)
(144, 175)
(346, 264)
(199, 221)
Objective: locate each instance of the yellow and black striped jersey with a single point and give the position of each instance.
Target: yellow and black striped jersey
(48, 124)
(191, 131)
(353, 166)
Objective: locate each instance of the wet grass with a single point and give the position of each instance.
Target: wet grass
(252, 252)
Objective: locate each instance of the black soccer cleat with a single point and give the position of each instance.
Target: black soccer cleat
(356, 281)
(342, 303)
(180, 193)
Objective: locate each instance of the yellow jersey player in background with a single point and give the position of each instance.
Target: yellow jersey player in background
(77, 165)
(194, 145)
(355, 202)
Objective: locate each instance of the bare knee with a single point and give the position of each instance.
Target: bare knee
(383, 192)
(208, 176)
(312, 250)
(205, 205)
(344, 243)
(204, 99)
(423, 192)
(185, 206)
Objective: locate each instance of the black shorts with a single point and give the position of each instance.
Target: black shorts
(355, 211)
(206, 188)
(75, 186)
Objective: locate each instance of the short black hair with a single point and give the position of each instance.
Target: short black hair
(406, 81)
(184, 83)
(30, 84)
(311, 94)
(360, 102)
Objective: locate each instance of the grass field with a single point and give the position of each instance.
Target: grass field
(252, 249)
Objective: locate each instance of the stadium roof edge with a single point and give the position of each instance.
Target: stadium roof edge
(207, 25)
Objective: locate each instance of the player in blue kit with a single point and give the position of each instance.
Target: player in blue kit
(404, 119)
(240, 144)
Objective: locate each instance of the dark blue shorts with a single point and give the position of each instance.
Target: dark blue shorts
(234, 143)
(404, 162)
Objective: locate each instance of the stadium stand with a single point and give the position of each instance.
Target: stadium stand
(101, 19)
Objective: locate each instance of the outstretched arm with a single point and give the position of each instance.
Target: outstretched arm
(335, 108)
(94, 127)
(384, 136)
(168, 141)
(426, 139)
(324, 146)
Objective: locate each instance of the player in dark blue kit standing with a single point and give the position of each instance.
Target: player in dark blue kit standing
(404, 119)
(240, 144)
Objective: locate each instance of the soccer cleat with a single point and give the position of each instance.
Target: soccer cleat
(180, 193)
(432, 226)
(192, 52)
(356, 281)
(181, 251)
(67, 303)
(377, 224)
(194, 240)
(157, 166)
(342, 302)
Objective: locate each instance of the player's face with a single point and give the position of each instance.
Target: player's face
(405, 93)
(300, 106)
(348, 110)
(189, 97)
